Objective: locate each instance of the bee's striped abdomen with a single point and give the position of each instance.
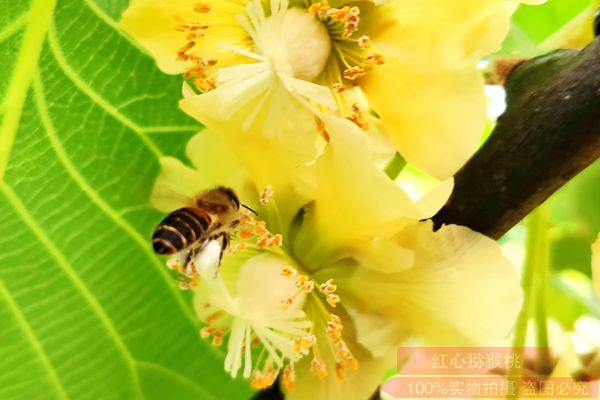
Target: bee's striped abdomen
(179, 230)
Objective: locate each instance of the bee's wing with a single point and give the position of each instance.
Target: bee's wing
(176, 185)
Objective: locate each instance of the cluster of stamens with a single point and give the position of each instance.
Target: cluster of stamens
(188, 278)
(348, 16)
(197, 73)
(252, 229)
(333, 329)
(356, 71)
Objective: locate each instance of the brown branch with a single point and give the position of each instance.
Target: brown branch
(549, 133)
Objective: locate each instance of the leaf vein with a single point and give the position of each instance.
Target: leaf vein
(33, 340)
(69, 271)
(93, 95)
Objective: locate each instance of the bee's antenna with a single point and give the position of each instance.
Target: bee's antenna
(249, 209)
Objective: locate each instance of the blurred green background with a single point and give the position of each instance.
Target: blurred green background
(86, 309)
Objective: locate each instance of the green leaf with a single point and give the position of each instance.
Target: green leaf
(535, 29)
(87, 311)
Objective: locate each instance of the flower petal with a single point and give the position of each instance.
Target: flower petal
(434, 117)
(154, 24)
(357, 385)
(353, 199)
(461, 289)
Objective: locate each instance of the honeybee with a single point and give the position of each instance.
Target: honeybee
(210, 216)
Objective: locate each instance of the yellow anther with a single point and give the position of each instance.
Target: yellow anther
(217, 340)
(322, 129)
(246, 233)
(318, 368)
(288, 271)
(340, 14)
(206, 331)
(303, 344)
(289, 377)
(358, 118)
(339, 87)
(333, 300)
(354, 72)
(275, 241)
(342, 349)
(214, 316)
(327, 287)
(202, 8)
(287, 303)
(339, 371)
(174, 264)
(364, 41)
(334, 327)
(181, 56)
(266, 194)
(184, 285)
(352, 362)
(305, 283)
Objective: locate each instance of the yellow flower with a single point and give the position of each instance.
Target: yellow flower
(272, 64)
(336, 271)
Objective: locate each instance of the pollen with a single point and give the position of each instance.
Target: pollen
(358, 118)
(322, 129)
(305, 283)
(266, 194)
(289, 377)
(214, 316)
(318, 368)
(206, 331)
(181, 56)
(263, 379)
(338, 87)
(333, 300)
(287, 303)
(175, 265)
(339, 371)
(289, 271)
(202, 8)
(364, 41)
(327, 287)
(303, 344)
(334, 327)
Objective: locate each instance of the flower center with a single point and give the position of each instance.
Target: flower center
(305, 43)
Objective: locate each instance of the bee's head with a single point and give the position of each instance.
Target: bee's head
(230, 196)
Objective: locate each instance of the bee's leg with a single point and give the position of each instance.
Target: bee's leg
(225, 239)
(234, 224)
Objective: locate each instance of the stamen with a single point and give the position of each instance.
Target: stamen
(289, 271)
(175, 265)
(181, 56)
(339, 371)
(333, 299)
(214, 316)
(305, 283)
(327, 287)
(287, 303)
(334, 327)
(318, 368)
(266, 194)
(303, 344)
(206, 331)
(339, 87)
(322, 129)
(364, 41)
(202, 8)
(358, 118)
(289, 377)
